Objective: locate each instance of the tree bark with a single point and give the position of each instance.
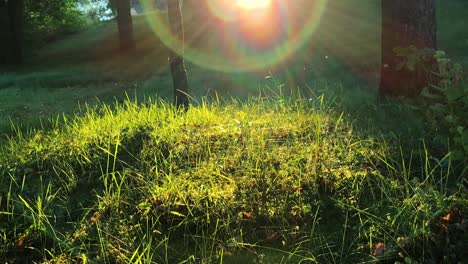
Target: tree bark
(406, 23)
(11, 32)
(125, 25)
(4, 33)
(16, 10)
(176, 60)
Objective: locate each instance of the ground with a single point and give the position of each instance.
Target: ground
(298, 162)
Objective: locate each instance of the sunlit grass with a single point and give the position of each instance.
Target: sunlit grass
(269, 178)
(279, 180)
(87, 65)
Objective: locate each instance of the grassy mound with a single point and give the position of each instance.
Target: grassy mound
(281, 180)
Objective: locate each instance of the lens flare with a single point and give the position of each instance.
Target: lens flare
(253, 4)
(240, 35)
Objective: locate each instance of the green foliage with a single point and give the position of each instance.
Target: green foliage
(112, 5)
(281, 180)
(98, 10)
(268, 181)
(412, 57)
(445, 102)
(46, 20)
(446, 107)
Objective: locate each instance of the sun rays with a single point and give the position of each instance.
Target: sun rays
(253, 4)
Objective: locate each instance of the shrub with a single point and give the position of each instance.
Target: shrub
(446, 107)
(445, 103)
(45, 20)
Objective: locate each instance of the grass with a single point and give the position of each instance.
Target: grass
(280, 180)
(87, 68)
(298, 163)
(88, 65)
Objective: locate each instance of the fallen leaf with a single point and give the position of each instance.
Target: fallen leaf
(20, 243)
(378, 249)
(246, 215)
(96, 217)
(454, 216)
(447, 217)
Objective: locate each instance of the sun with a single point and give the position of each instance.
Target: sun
(253, 4)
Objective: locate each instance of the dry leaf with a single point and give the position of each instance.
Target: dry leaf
(378, 249)
(453, 216)
(447, 217)
(246, 215)
(96, 217)
(20, 243)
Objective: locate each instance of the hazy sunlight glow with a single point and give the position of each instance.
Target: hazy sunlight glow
(242, 35)
(253, 4)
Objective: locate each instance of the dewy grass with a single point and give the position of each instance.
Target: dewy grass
(282, 180)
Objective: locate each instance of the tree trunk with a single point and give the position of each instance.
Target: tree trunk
(125, 24)
(11, 32)
(4, 33)
(176, 60)
(406, 23)
(15, 8)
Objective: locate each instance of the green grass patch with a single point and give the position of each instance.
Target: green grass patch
(337, 175)
(281, 180)
(87, 67)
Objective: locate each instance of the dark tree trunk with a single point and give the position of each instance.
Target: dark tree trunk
(11, 32)
(4, 33)
(15, 9)
(176, 60)
(406, 23)
(125, 24)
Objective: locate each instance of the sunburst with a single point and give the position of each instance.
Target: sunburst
(253, 4)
